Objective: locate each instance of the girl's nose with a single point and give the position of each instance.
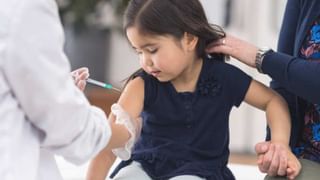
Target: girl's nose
(147, 60)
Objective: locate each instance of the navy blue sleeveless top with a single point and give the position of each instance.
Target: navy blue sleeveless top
(187, 133)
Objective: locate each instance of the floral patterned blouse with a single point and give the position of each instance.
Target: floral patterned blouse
(309, 146)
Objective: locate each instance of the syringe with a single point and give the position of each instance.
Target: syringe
(101, 84)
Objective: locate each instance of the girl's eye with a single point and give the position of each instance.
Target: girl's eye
(139, 52)
(152, 51)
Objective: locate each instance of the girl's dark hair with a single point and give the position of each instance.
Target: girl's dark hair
(174, 18)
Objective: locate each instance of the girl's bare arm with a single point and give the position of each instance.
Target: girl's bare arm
(131, 100)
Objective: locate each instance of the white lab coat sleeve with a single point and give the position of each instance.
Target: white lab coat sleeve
(37, 70)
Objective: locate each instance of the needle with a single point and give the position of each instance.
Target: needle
(101, 84)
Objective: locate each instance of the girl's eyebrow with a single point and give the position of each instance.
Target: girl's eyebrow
(144, 46)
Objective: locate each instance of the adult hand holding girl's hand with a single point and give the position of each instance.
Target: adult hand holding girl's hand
(277, 159)
(236, 48)
(80, 76)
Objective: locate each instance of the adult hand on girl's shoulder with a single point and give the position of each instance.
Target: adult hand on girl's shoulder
(235, 47)
(277, 159)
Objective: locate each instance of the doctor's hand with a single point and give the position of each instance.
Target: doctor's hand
(80, 76)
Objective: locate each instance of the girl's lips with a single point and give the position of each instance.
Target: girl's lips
(155, 73)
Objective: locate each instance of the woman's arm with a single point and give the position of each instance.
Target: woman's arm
(279, 156)
(297, 75)
(289, 27)
(131, 100)
(286, 43)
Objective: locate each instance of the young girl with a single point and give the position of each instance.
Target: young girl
(184, 97)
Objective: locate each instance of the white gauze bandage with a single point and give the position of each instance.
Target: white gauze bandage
(132, 125)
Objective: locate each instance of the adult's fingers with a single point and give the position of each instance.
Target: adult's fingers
(267, 159)
(262, 147)
(82, 70)
(283, 164)
(217, 43)
(81, 85)
(219, 48)
(84, 75)
(79, 71)
(274, 165)
(260, 163)
(260, 159)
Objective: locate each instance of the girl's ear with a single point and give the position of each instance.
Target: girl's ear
(190, 41)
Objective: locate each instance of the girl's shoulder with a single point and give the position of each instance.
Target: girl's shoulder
(134, 85)
(151, 87)
(149, 81)
(232, 80)
(221, 68)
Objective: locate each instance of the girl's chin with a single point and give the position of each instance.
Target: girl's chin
(161, 79)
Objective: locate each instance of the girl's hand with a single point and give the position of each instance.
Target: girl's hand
(277, 159)
(273, 159)
(236, 48)
(294, 166)
(80, 76)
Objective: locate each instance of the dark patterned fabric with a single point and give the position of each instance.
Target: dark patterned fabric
(309, 145)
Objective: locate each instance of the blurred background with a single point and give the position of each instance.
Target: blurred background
(94, 38)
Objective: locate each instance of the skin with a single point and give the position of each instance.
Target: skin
(237, 48)
(80, 75)
(175, 60)
(168, 59)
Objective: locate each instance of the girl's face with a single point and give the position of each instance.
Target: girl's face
(163, 57)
